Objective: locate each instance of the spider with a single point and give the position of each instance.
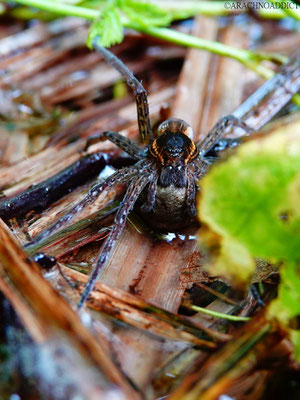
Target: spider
(163, 182)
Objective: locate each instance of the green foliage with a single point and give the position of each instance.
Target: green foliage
(249, 197)
(109, 26)
(150, 19)
(145, 13)
(251, 203)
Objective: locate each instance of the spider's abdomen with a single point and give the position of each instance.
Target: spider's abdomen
(170, 211)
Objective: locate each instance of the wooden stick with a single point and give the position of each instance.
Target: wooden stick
(140, 314)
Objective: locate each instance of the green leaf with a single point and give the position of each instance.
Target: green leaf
(248, 198)
(145, 13)
(109, 28)
(251, 203)
(295, 338)
(286, 308)
(287, 304)
(226, 257)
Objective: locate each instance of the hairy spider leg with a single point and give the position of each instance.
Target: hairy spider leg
(217, 132)
(137, 88)
(121, 176)
(191, 194)
(200, 167)
(129, 146)
(131, 196)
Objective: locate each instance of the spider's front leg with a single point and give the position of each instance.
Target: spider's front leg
(217, 132)
(129, 146)
(132, 194)
(137, 88)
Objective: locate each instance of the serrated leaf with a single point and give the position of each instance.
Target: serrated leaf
(145, 13)
(109, 28)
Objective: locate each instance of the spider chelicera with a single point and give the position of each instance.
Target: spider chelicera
(163, 182)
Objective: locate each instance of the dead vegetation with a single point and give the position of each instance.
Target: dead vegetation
(131, 343)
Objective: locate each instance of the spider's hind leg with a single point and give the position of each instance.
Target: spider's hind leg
(129, 146)
(131, 196)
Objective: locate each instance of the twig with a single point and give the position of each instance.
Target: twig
(217, 294)
(198, 384)
(142, 315)
(41, 195)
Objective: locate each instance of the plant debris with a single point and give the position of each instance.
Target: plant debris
(141, 335)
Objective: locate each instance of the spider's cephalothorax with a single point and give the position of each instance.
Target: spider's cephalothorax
(173, 142)
(173, 150)
(161, 185)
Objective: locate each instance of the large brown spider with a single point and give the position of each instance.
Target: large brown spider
(162, 184)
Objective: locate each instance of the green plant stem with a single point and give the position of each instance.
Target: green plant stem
(178, 9)
(61, 8)
(274, 14)
(289, 12)
(250, 59)
(246, 57)
(187, 9)
(219, 315)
